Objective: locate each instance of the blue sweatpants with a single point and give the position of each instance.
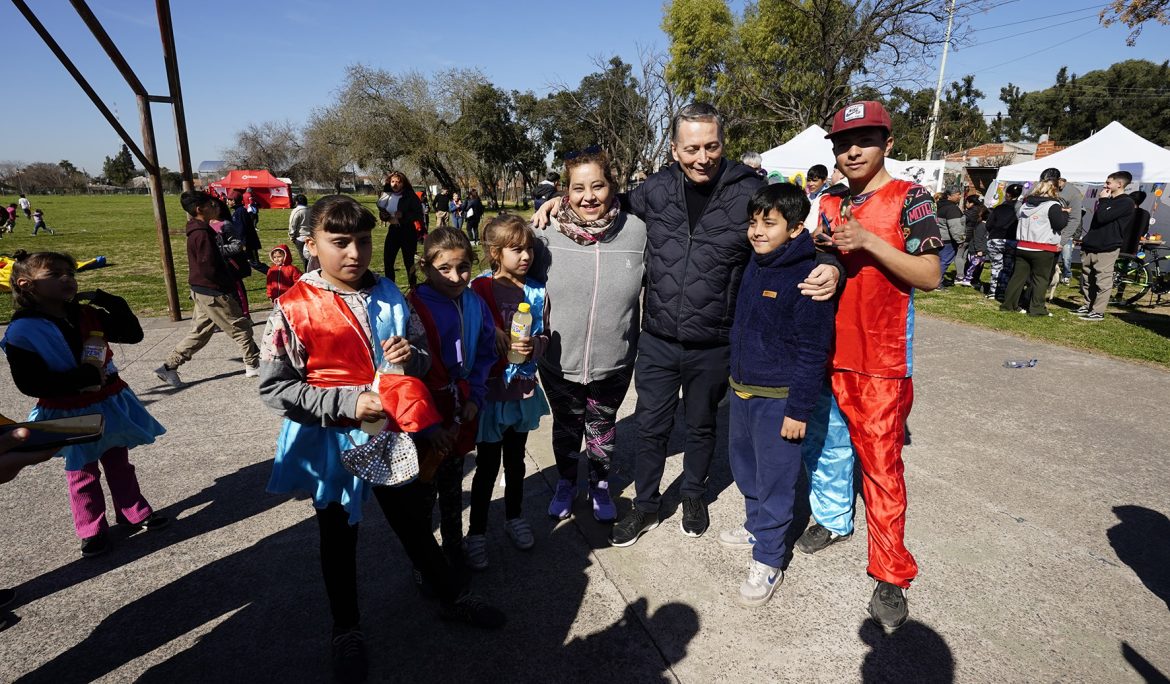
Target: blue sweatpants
(766, 468)
(828, 460)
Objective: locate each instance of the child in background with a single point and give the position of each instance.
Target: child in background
(324, 338)
(780, 342)
(977, 254)
(461, 339)
(282, 275)
(514, 401)
(58, 351)
(39, 223)
(10, 218)
(232, 249)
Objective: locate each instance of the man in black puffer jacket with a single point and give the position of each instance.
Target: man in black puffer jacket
(696, 251)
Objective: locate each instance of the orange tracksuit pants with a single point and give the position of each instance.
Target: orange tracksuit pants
(876, 410)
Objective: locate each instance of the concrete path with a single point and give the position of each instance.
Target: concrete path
(1038, 515)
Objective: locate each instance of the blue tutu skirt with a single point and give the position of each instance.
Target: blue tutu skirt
(127, 424)
(308, 459)
(522, 415)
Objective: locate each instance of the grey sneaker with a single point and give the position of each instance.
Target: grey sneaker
(760, 584)
(520, 532)
(738, 538)
(169, 376)
(475, 551)
(887, 606)
(818, 537)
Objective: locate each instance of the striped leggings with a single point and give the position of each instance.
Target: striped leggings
(88, 501)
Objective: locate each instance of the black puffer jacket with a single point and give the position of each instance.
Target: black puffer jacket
(692, 276)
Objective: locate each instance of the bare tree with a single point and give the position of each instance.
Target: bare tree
(1135, 13)
(272, 145)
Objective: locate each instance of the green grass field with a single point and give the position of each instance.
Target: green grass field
(122, 229)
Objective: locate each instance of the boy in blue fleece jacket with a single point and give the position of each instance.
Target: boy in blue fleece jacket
(780, 344)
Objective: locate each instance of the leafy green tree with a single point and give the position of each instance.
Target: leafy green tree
(119, 169)
(1134, 92)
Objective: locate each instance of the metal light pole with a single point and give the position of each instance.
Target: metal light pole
(938, 89)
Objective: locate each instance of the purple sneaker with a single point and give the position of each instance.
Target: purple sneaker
(603, 508)
(561, 506)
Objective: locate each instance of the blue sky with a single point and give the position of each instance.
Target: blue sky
(279, 60)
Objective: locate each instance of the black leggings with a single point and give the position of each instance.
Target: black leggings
(400, 238)
(408, 510)
(487, 466)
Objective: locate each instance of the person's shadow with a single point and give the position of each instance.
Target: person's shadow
(268, 620)
(1141, 540)
(1143, 667)
(914, 653)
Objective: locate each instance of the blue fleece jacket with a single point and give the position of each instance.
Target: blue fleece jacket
(781, 338)
(449, 326)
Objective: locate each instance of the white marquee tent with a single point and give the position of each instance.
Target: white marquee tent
(1113, 148)
(809, 147)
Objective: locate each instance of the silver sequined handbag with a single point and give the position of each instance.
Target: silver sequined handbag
(389, 458)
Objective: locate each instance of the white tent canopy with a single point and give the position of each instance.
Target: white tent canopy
(1113, 148)
(809, 147)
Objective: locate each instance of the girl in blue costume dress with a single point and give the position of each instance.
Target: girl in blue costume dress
(45, 347)
(461, 336)
(515, 400)
(318, 358)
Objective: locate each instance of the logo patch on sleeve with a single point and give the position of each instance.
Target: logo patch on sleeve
(770, 294)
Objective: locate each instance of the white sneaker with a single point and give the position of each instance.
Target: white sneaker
(475, 551)
(738, 538)
(760, 584)
(520, 532)
(251, 371)
(169, 376)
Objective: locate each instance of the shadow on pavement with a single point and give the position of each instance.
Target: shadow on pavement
(1143, 667)
(165, 390)
(230, 499)
(1142, 541)
(914, 653)
(266, 617)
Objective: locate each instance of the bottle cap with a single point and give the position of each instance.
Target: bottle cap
(97, 333)
(524, 307)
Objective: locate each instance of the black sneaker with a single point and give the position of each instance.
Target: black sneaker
(7, 596)
(154, 522)
(818, 537)
(695, 520)
(95, 545)
(627, 530)
(349, 657)
(887, 607)
(471, 609)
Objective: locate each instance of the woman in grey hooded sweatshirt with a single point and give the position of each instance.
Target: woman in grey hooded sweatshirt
(594, 255)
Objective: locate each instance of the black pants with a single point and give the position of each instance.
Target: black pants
(1032, 268)
(472, 228)
(408, 510)
(487, 466)
(662, 367)
(404, 239)
(448, 488)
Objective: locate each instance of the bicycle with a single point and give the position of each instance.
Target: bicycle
(1135, 275)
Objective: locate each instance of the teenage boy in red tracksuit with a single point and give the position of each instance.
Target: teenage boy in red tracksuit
(888, 241)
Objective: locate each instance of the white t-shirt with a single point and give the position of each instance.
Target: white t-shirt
(24, 203)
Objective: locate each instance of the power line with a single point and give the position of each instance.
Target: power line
(1022, 33)
(1036, 52)
(1024, 21)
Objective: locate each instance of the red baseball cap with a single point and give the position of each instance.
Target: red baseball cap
(860, 115)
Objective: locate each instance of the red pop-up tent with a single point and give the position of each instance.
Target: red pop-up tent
(268, 190)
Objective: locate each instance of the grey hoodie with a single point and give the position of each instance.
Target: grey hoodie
(597, 290)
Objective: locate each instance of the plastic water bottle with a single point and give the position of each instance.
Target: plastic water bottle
(521, 328)
(93, 352)
(387, 368)
(1029, 363)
